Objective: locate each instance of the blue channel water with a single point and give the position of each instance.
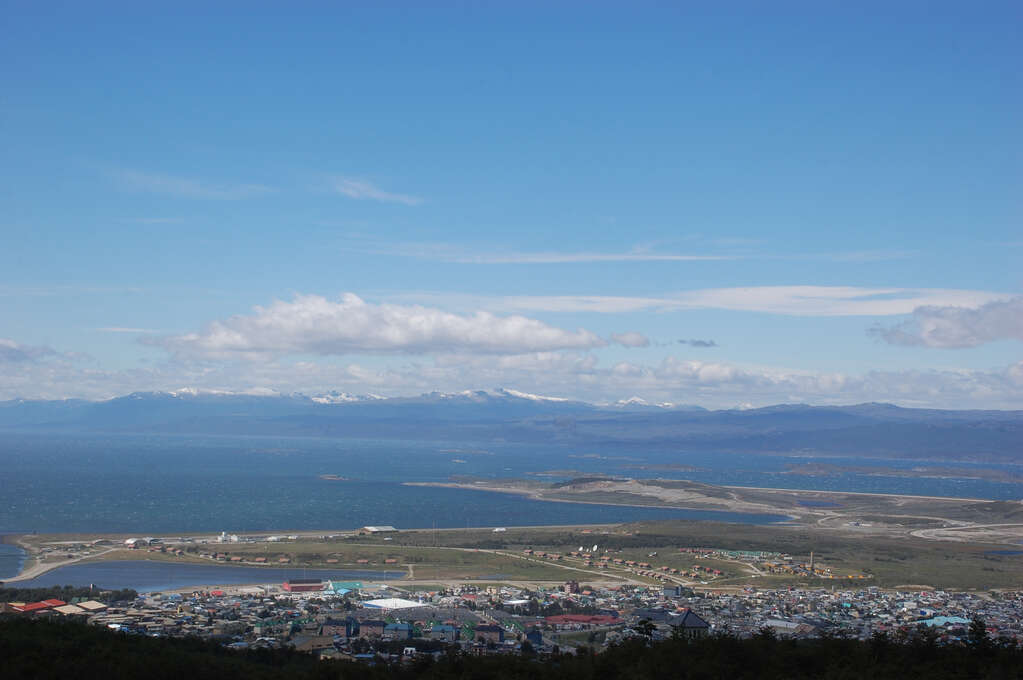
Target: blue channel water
(167, 484)
(11, 559)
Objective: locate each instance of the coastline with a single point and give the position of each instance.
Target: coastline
(537, 496)
(901, 496)
(32, 566)
(17, 554)
(146, 575)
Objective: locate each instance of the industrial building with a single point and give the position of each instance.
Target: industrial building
(303, 585)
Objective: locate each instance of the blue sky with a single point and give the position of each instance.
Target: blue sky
(547, 199)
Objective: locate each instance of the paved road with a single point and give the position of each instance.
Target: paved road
(40, 568)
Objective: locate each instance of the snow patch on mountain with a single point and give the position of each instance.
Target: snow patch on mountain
(527, 395)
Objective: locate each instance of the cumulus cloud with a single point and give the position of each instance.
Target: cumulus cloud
(572, 374)
(13, 352)
(630, 339)
(720, 383)
(698, 343)
(311, 324)
(957, 327)
(362, 190)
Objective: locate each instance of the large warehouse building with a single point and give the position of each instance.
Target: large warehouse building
(303, 585)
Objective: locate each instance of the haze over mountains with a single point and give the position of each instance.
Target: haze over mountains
(868, 430)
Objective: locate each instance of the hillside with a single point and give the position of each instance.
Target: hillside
(880, 430)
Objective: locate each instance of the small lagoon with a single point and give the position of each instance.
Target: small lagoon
(149, 576)
(11, 559)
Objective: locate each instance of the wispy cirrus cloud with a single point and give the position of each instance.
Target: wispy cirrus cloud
(506, 257)
(185, 187)
(583, 257)
(360, 189)
(125, 329)
(736, 250)
(780, 300)
(698, 343)
(444, 252)
(64, 290)
(953, 326)
(153, 220)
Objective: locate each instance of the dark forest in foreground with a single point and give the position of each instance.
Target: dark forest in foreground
(48, 649)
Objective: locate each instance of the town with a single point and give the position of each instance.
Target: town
(364, 621)
(524, 590)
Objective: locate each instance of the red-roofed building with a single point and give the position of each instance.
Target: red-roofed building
(302, 585)
(34, 607)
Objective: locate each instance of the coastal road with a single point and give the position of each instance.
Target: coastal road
(40, 568)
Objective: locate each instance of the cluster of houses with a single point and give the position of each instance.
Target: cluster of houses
(862, 613)
(662, 573)
(355, 620)
(77, 608)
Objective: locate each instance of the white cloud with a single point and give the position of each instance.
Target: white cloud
(648, 256)
(958, 326)
(722, 384)
(495, 254)
(630, 339)
(123, 329)
(446, 252)
(185, 187)
(698, 343)
(782, 300)
(13, 352)
(569, 374)
(311, 324)
(363, 190)
(57, 290)
(569, 258)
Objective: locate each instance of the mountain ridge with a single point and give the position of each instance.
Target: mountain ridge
(865, 430)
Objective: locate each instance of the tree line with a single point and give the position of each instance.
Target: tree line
(42, 649)
(66, 593)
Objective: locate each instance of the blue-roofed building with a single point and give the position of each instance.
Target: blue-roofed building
(942, 621)
(398, 631)
(342, 587)
(443, 631)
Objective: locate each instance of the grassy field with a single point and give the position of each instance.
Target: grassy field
(888, 560)
(420, 563)
(475, 554)
(891, 561)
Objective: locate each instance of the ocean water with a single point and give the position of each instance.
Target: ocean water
(11, 558)
(155, 576)
(167, 484)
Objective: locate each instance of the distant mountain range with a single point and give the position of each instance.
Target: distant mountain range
(868, 430)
